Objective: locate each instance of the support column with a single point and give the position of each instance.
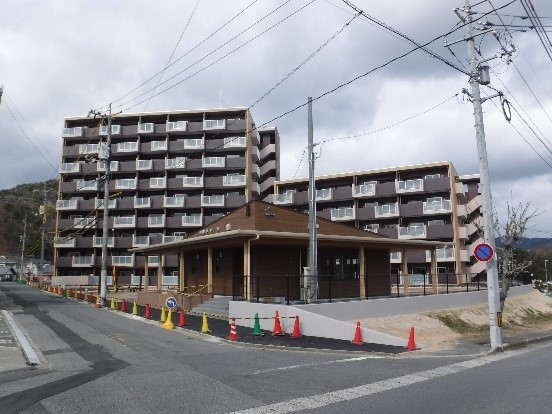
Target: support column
(404, 271)
(181, 275)
(246, 268)
(210, 270)
(159, 272)
(146, 275)
(435, 279)
(362, 268)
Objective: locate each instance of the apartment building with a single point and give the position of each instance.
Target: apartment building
(171, 173)
(425, 201)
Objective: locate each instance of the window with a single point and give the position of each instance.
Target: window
(157, 182)
(143, 164)
(214, 124)
(177, 126)
(88, 148)
(156, 220)
(178, 162)
(140, 202)
(196, 143)
(125, 183)
(158, 145)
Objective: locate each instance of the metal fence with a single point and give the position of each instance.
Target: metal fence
(295, 288)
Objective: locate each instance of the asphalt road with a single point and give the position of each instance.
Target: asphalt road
(96, 360)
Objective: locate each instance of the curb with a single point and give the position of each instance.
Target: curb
(517, 345)
(28, 351)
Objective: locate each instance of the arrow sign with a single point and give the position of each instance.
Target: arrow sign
(483, 252)
(170, 302)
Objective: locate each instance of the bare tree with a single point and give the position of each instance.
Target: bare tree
(510, 233)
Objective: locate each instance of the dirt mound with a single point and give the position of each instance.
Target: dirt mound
(443, 329)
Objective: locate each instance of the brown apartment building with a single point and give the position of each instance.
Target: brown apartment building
(171, 174)
(421, 202)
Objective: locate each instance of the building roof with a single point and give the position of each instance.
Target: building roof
(7, 270)
(267, 223)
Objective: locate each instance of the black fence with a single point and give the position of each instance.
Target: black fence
(295, 288)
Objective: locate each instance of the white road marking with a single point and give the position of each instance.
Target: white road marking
(315, 364)
(347, 394)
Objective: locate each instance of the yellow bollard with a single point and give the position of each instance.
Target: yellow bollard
(113, 305)
(135, 309)
(86, 295)
(205, 324)
(163, 316)
(168, 323)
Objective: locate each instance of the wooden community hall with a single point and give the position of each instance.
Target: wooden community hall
(260, 251)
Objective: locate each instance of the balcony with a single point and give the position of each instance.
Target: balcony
(115, 130)
(82, 261)
(387, 210)
(417, 231)
(130, 146)
(235, 142)
(139, 241)
(255, 154)
(371, 227)
(125, 184)
(212, 201)
(156, 220)
(61, 242)
(173, 163)
(192, 220)
(208, 162)
(409, 186)
(442, 254)
(194, 143)
(192, 181)
(284, 198)
(158, 145)
(86, 149)
(113, 166)
(142, 202)
(175, 201)
(170, 239)
(122, 261)
(87, 185)
(177, 126)
(437, 205)
(69, 167)
(169, 280)
(146, 128)
(97, 241)
(153, 261)
(84, 222)
(323, 194)
(364, 190)
(342, 213)
(157, 182)
(234, 180)
(210, 124)
(111, 204)
(67, 204)
(144, 164)
(72, 132)
(124, 222)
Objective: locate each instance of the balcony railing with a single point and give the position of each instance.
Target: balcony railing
(235, 142)
(82, 260)
(111, 203)
(82, 222)
(214, 162)
(157, 220)
(323, 194)
(177, 126)
(284, 198)
(169, 239)
(413, 232)
(113, 165)
(64, 242)
(442, 254)
(194, 143)
(364, 190)
(67, 204)
(176, 201)
(88, 149)
(69, 167)
(342, 213)
(145, 128)
(84, 185)
(192, 220)
(192, 181)
(178, 162)
(97, 241)
(212, 200)
(125, 184)
(138, 241)
(124, 221)
(124, 261)
(142, 202)
(214, 124)
(127, 146)
(386, 210)
(234, 179)
(430, 207)
(169, 280)
(115, 130)
(72, 132)
(144, 164)
(408, 186)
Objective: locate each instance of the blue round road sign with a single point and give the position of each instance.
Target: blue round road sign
(483, 252)
(170, 302)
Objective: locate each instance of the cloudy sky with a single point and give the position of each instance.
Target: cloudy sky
(61, 58)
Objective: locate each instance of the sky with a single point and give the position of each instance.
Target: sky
(372, 108)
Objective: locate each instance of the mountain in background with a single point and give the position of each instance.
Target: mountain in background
(528, 243)
(24, 201)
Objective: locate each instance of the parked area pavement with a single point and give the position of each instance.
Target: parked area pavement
(13, 354)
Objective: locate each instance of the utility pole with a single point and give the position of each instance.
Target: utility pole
(313, 245)
(493, 294)
(1, 92)
(42, 211)
(105, 156)
(23, 239)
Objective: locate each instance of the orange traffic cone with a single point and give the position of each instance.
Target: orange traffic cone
(411, 344)
(358, 335)
(123, 306)
(148, 311)
(91, 298)
(233, 332)
(182, 320)
(277, 331)
(296, 332)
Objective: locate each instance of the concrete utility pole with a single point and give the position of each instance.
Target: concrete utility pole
(23, 239)
(313, 245)
(493, 294)
(105, 156)
(42, 211)
(1, 92)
